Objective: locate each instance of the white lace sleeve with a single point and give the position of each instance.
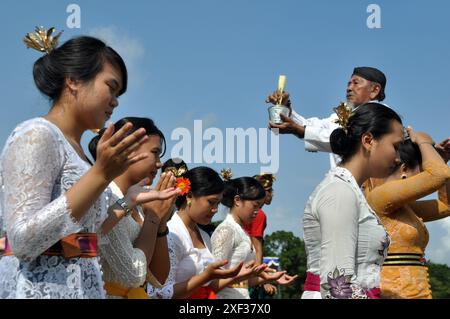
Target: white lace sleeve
(128, 263)
(31, 164)
(175, 254)
(222, 243)
(338, 212)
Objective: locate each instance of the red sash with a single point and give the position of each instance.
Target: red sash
(82, 245)
(203, 293)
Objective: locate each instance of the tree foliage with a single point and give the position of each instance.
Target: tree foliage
(291, 251)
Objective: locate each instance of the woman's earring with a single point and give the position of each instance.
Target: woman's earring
(73, 92)
(189, 203)
(404, 176)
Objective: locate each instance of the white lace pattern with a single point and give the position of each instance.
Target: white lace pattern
(37, 167)
(230, 241)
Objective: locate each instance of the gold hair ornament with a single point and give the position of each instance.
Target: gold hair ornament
(266, 179)
(226, 174)
(343, 112)
(42, 40)
(177, 172)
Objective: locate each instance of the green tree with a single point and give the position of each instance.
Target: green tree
(291, 251)
(439, 280)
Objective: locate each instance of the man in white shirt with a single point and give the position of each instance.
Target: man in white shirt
(366, 84)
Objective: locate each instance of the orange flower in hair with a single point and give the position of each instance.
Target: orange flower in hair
(184, 185)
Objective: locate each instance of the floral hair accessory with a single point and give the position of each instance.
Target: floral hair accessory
(226, 174)
(42, 39)
(177, 172)
(184, 184)
(344, 112)
(266, 180)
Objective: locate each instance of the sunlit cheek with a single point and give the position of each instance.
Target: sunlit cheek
(144, 165)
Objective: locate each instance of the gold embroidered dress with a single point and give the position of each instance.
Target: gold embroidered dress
(404, 274)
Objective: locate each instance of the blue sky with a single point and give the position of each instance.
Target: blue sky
(217, 61)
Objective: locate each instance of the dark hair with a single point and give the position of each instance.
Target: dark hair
(374, 118)
(248, 188)
(204, 181)
(138, 122)
(410, 154)
(80, 58)
(173, 162)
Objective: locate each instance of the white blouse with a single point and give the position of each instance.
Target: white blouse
(186, 261)
(345, 241)
(37, 167)
(122, 263)
(231, 242)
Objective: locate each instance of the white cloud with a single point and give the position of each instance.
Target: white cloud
(130, 49)
(441, 254)
(187, 121)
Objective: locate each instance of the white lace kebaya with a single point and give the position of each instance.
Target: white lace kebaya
(37, 167)
(122, 263)
(230, 241)
(345, 241)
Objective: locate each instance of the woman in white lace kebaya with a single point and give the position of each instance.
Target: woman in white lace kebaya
(345, 241)
(243, 196)
(52, 199)
(136, 248)
(194, 272)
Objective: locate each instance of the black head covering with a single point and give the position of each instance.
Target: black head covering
(374, 75)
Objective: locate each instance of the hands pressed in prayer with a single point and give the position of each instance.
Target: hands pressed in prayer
(141, 193)
(163, 208)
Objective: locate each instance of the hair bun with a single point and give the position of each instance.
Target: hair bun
(339, 141)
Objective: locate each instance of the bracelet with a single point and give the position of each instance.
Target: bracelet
(124, 205)
(164, 233)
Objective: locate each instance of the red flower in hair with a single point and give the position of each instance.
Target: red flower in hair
(184, 185)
